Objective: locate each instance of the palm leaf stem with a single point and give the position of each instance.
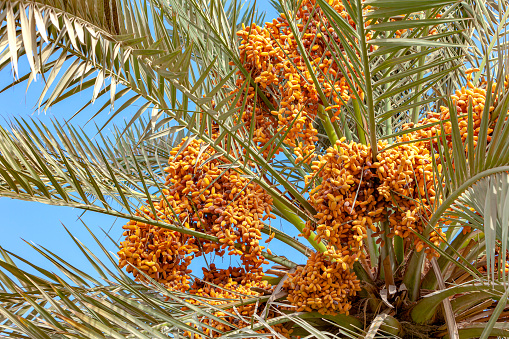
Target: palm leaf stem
(387, 256)
(291, 158)
(372, 248)
(283, 237)
(388, 121)
(330, 129)
(346, 130)
(367, 75)
(420, 75)
(452, 326)
(399, 249)
(359, 121)
(412, 277)
(299, 224)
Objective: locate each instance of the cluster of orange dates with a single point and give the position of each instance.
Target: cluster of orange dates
(205, 194)
(276, 66)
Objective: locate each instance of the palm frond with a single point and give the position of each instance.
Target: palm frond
(120, 48)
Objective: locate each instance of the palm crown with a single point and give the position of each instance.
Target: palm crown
(377, 128)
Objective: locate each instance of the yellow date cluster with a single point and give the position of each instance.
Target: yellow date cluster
(406, 171)
(322, 285)
(407, 183)
(211, 197)
(162, 254)
(204, 194)
(346, 200)
(347, 203)
(435, 126)
(352, 194)
(276, 65)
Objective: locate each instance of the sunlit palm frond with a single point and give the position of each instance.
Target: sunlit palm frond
(77, 46)
(120, 48)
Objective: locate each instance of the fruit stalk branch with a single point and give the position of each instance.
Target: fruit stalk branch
(299, 224)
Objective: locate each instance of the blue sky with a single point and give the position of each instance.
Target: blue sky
(43, 224)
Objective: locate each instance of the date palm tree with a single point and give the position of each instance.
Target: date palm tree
(180, 62)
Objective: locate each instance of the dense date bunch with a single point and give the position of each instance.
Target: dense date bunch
(322, 285)
(346, 200)
(205, 195)
(212, 197)
(436, 124)
(407, 182)
(406, 172)
(403, 176)
(353, 193)
(275, 63)
(162, 254)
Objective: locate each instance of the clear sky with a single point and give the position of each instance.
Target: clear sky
(42, 224)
